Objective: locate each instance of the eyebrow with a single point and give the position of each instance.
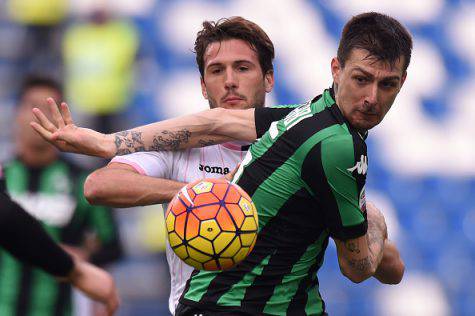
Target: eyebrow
(371, 75)
(240, 61)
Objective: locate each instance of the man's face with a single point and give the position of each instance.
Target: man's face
(233, 77)
(366, 87)
(34, 97)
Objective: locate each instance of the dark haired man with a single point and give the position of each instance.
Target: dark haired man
(50, 189)
(306, 176)
(234, 57)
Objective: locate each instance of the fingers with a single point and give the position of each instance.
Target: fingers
(54, 110)
(66, 114)
(47, 135)
(44, 121)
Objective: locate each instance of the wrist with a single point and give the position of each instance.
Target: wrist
(108, 149)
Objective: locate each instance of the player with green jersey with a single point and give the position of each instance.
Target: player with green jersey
(306, 176)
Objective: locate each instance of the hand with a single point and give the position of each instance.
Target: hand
(230, 175)
(95, 283)
(66, 136)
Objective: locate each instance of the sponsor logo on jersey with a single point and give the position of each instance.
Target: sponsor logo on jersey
(214, 169)
(361, 166)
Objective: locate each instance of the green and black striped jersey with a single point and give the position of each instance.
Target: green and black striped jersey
(306, 176)
(54, 196)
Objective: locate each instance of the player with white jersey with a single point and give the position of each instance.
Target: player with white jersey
(234, 57)
(184, 166)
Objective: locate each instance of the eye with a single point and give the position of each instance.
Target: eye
(361, 79)
(388, 84)
(216, 71)
(243, 68)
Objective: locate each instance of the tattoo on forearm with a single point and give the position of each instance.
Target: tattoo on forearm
(170, 140)
(127, 142)
(206, 142)
(360, 264)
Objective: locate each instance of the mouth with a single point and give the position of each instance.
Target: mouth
(232, 99)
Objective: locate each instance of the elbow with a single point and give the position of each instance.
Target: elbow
(358, 274)
(92, 188)
(398, 273)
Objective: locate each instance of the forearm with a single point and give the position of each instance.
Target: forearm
(391, 268)
(197, 130)
(123, 188)
(25, 238)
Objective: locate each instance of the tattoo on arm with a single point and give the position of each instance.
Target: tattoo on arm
(206, 142)
(127, 142)
(170, 140)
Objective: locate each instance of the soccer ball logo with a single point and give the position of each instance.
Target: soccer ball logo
(212, 224)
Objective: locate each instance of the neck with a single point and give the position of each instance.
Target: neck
(40, 156)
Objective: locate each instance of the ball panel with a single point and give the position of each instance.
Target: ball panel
(246, 206)
(221, 242)
(202, 187)
(205, 198)
(241, 254)
(236, 213)
(247, 239)
(211, 265)
(178, 207)
(181, 251)
(233, 195)
(206, 212)
(232, 249)
(192, 226)
(202, 244)
(170, 221)
(209, 229)
(225, 263)
(219, 189)
(174, 239)
(249, 225)
(224, 220)
(180, 222)
(198, 255)
(195, 264)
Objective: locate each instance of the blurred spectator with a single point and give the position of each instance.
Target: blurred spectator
(99, 56)
(51, 189)
(42, 19)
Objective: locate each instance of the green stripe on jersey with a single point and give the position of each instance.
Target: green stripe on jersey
(283, 293)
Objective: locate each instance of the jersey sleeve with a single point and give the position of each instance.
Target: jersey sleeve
(24, 237)
(330, 173)
(153, 164)
(3, 186)
(265, 116)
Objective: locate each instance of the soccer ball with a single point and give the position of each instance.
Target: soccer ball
(212, 224)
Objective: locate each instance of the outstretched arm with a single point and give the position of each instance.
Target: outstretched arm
(197, 130)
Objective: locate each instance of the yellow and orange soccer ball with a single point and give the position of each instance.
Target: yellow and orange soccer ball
(212, 224)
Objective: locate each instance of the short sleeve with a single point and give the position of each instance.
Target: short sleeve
(153, 164)
(265, 116)
(331, 173)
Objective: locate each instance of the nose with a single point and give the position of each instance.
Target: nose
(372, 95)
(231, 80)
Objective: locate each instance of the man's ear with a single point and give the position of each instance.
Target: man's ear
(203, 88)
(269, 81)
(336, 69)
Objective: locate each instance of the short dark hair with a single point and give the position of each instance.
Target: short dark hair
(382, 36)
(34, 81)
(235, 28)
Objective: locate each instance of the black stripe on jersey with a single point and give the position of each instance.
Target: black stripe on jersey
(273, 236)
(314, 175)
(283, 148)
(23, 301)
(295, 213)
(264, 117)
(63, 299)
(359, 150)
(299, 301)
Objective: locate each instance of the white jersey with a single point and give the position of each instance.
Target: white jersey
(184, 166)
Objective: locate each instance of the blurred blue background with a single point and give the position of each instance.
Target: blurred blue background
(422, 157)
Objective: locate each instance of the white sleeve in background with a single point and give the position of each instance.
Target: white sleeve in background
(152, 164)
